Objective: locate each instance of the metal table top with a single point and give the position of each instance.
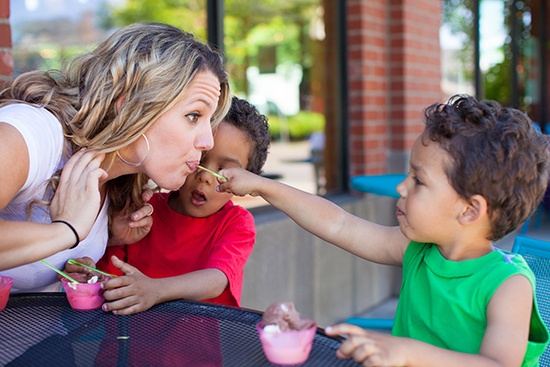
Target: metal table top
(41, 329)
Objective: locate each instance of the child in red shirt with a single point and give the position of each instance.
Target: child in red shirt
(200, 241)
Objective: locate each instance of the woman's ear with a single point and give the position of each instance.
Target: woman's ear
(475, 210)
(120, 103)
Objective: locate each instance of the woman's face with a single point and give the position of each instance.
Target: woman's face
(179, 136)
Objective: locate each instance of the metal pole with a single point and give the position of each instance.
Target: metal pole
(542, 65)
(515, 55)
(215, 11)
(477, 52)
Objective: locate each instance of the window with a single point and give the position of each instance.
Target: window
(505, 60)
(277, 56)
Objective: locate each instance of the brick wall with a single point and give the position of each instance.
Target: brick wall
(6, 57)
(394, 73)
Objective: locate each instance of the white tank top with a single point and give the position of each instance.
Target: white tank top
(43, 135)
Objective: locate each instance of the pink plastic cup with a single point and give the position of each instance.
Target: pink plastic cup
(83, 296)
(5, 288)
(287, 348)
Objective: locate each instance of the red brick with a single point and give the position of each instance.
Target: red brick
(4, 9)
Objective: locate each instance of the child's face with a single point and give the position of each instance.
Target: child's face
(198, 196)
(429, 207)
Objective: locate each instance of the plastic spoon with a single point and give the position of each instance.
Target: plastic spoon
(60, 272)
(74, 262)
(212, 172)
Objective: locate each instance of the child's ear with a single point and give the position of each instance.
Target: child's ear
(475, 210)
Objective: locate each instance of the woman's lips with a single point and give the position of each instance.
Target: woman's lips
(192, 165)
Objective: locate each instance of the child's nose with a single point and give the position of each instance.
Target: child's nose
(402, 188)
(204, 176)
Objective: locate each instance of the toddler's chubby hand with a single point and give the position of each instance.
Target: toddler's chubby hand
(240, 182)
(369, 348)
(131, 293)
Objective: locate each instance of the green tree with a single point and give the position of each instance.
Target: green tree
(249, 24)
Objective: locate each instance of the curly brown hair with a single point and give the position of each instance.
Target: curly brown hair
(246, 117)
(495, 152)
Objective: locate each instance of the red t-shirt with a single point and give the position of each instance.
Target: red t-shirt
(178, 244)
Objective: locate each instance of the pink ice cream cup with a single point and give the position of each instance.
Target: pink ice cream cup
(84, 296)
(289, 347)
(5, 288)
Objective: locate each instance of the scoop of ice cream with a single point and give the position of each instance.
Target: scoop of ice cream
(283, 316)
(88, 278)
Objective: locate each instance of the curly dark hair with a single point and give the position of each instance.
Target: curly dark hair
(495, 152)
(246, 117)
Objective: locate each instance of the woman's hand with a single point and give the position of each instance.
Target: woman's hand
(77, 199)
(131, 293)
(129, 225)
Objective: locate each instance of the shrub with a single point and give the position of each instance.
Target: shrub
(300, 126)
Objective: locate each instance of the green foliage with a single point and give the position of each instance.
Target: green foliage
(497, 82)
(299, 126)
(189, 15)
(278, 33)
(248, 24)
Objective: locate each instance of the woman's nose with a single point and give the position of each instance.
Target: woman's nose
(205, 138)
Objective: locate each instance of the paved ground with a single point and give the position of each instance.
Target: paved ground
(288, 162)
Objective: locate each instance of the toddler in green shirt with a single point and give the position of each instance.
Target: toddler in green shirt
(477, 172)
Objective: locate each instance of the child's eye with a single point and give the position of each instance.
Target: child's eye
(193, 117)
(417, 180)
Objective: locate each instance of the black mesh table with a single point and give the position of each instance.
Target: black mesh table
(41, 329)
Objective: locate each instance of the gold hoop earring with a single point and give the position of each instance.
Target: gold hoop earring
(140, 162)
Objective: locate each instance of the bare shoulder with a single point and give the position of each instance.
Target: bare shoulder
(14, 162)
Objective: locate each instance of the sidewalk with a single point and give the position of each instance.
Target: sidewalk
(289, 163)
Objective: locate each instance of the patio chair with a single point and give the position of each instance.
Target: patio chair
(537, 255)
(535, 220)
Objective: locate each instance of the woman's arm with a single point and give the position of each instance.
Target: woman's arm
(75, 201)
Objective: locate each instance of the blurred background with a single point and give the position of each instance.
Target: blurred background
(280, 58)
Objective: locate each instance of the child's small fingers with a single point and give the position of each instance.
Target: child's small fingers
(345, 329)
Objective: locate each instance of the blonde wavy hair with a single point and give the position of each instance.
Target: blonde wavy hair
(148, 66)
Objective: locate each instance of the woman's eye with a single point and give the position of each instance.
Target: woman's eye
(193, 117)
(417, 180)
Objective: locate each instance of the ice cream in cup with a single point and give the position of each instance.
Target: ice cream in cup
(84, 296)
(5, 288)
(286, 338)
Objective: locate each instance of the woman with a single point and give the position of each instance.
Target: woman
(75, 145)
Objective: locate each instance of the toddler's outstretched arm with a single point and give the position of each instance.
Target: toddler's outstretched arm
(321, 217)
